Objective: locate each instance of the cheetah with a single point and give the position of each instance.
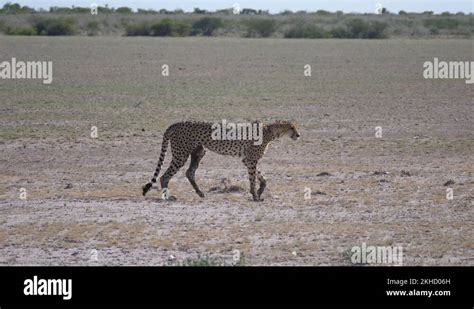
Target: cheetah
(192, 138)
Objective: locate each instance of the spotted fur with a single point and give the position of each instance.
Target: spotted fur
(191, 138)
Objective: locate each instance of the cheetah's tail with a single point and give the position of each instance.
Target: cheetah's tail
(164, 147)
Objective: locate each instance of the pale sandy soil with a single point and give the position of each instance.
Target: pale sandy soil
(84, 194)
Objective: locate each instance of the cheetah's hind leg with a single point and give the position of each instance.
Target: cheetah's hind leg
(146, 188)
(196, 157)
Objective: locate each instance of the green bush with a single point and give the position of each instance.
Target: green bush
(15, 8)
(359, 29)
(260, 27)
(55, 26)
(355, 28)
(140, 29)
(304, 30)
(182, 28)
(169, 27)
(147, 11)
(124, 10)
(376, 30)
(441, 23)
(206, 26)
(199, 11)
(162, 28)
(339, 33)
(93, 28)
(20, 31)
(323, 13)
(434, 31)
(165, 27)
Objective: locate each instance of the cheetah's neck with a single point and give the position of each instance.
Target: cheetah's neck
(273, 131)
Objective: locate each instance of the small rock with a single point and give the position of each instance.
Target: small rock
(449, 182)
(324, 174)
(405, 173)
(68, 186)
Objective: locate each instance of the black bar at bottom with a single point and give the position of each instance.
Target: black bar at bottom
(240, 285)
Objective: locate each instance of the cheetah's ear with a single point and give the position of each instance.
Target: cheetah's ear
(293, 122)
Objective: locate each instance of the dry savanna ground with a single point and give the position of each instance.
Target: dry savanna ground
(83, 201)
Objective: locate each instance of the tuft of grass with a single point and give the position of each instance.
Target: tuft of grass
(201, 262)
(346, 256)
(242, 261)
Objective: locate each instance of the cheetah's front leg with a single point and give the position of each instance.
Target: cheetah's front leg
(252, 169)
(263, 184)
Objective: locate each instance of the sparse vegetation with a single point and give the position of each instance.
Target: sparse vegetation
(140, 29)
(55, 26)
(117, 84)
(441, 23)
(20, 20)
(305, 30)
(359, 29)
(93, 28)
(201, 262)
(263, 28)
(206, 26)
(169, 27)
(15, 8)
(354, 29)
(20, 31)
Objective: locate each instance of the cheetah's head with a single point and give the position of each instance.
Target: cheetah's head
(289, 128)
(294, 133)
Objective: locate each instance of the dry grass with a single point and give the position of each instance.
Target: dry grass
(427, 125)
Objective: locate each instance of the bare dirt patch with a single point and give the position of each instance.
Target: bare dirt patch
(84, 194)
